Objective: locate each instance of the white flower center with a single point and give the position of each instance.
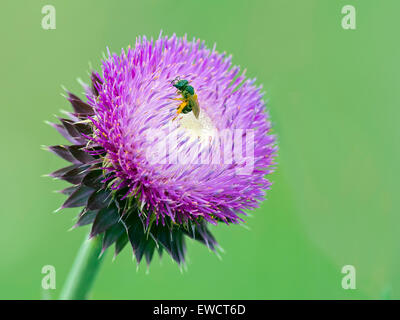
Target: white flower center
(201, 128)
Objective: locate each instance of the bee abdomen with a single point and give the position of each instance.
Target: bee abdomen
(187, 109)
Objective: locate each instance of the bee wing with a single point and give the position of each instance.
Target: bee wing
(194, 103)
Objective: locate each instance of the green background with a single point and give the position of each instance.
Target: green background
(334, 101)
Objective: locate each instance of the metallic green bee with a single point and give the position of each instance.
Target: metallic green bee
(189, 98)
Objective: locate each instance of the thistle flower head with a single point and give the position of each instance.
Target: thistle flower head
(154, 161)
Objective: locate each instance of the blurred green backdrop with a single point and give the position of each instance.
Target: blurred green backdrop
(334, 100)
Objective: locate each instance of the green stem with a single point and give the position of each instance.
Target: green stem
(84, 270)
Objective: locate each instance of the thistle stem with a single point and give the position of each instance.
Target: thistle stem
(84, 270)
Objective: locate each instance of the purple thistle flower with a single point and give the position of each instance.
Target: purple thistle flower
(149, 176)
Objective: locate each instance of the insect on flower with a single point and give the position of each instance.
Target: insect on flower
(189, 98)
